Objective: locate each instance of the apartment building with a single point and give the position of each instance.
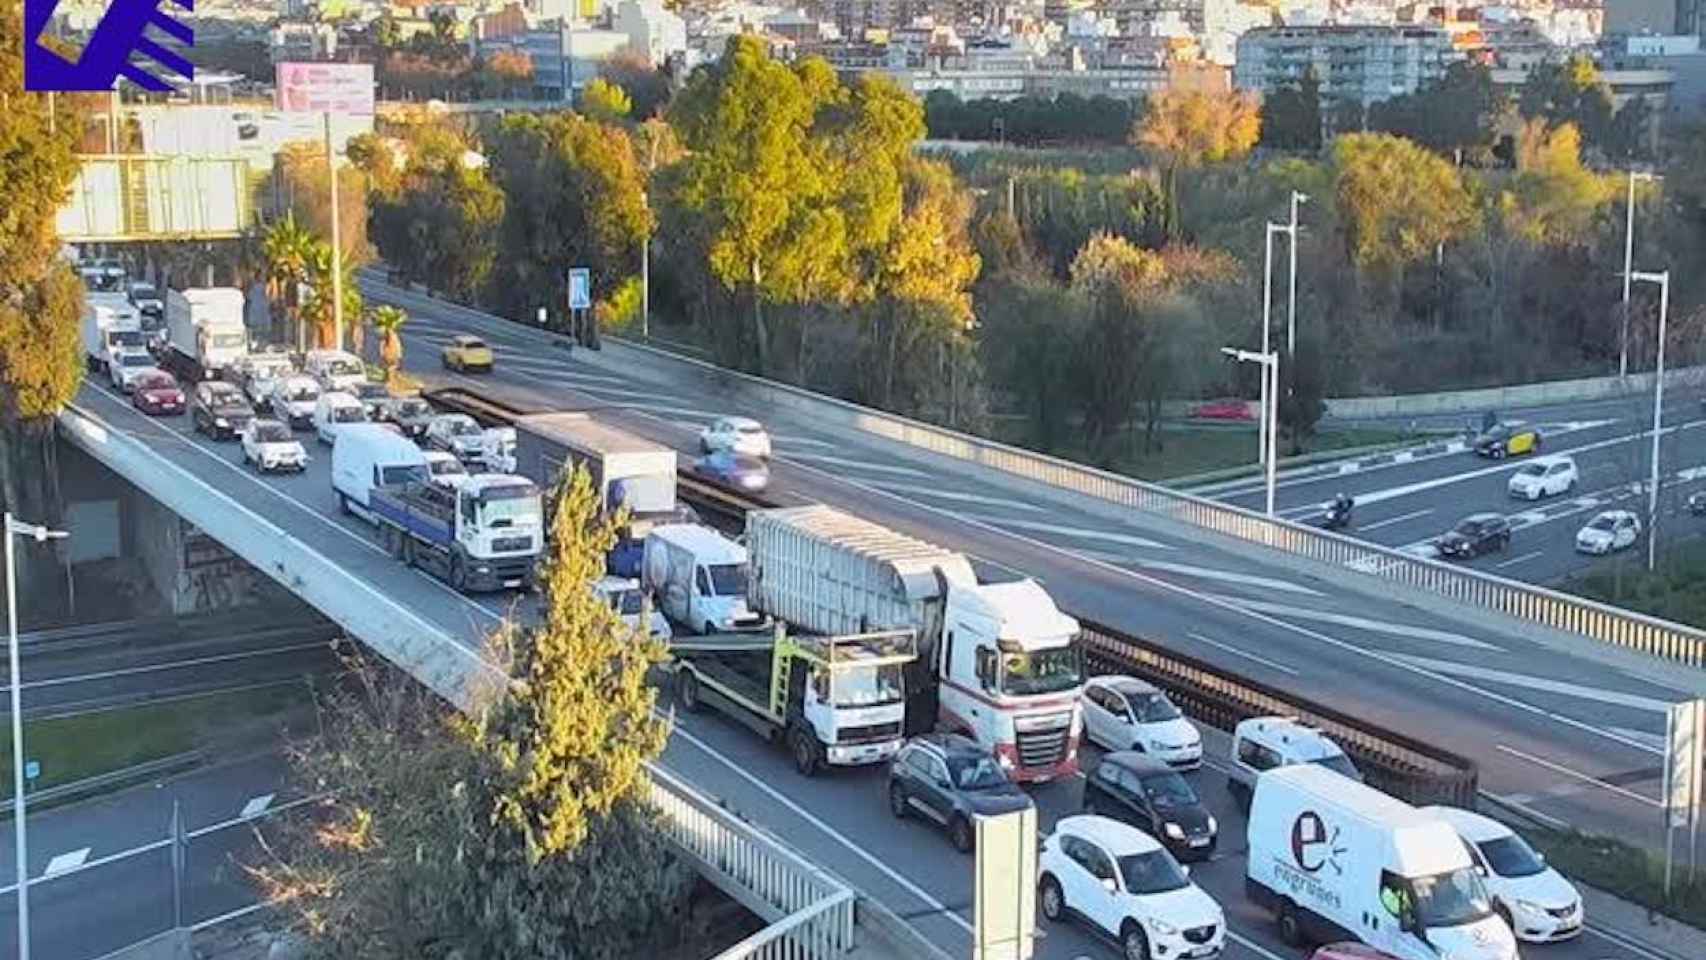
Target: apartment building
(1366, 64)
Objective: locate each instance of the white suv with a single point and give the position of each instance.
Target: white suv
(1125, 713)
(1543, 478)
(1124, 884)
(1263, 743)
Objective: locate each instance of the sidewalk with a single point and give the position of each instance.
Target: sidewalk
(1616, 920)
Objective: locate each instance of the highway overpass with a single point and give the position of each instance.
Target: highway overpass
(1559, 723)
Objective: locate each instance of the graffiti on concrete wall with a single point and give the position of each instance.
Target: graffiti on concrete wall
(211, 577)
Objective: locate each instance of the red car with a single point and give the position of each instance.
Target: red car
(157, 394)
(1222, 410)
(1349, 951)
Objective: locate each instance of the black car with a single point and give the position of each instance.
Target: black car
(1474, 535)
(1153, 797)
(219, 410)
(949, 779)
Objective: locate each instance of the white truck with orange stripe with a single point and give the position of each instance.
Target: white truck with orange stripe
(997, 661)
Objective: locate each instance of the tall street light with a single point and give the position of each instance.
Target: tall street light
(1628, 267)
(337, 242)
(1262, 439)
(1661, 278)
(1291, 296)
(1269, 359)
(40, 534)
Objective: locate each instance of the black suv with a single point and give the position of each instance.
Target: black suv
(950, 779)
(1474, 535)
(219, 410)
(1153, 797)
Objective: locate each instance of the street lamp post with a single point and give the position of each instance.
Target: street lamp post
(337, 241)
(1270, 360)
(1291, 296)
(1661, 278)
(40, 534)
(1262, 439)
(1628, 268)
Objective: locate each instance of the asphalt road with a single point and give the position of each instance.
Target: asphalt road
(1526, 713)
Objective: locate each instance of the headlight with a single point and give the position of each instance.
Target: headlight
(1173, 830)
(1157, 745)
(1005, 761)
(1529, 906)
(1163, 927)
(221, 422)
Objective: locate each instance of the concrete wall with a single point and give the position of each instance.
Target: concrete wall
(1508, 398)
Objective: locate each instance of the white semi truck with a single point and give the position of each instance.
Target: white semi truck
(205, 334)
(110, 322)
(996, 661)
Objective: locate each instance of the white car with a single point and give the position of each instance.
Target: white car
(444, 469)
(260, 372)
(1125, 713)
(736, 434)
(1610, 530)
(1538, 904)
(624, 596)
(269, 446)
(334, 411)
(1122, 882)
(293, 400)
(334, 369)
(456, 433)
(1543, 478)
(127, 365)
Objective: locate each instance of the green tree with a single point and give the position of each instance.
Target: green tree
(1303, 391)
(1459, 113)
(523, 829)
(1631, 133)
(287, 249)
(436, 220)
(605, 102)
(1570, 91)
(1188, 128)
(1291, 116)
(305, 190)
(1396, 201)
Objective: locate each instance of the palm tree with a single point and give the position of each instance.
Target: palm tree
(287, 249)
(388, 321)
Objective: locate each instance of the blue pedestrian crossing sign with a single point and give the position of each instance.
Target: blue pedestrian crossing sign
(580, 288)
(32, 769)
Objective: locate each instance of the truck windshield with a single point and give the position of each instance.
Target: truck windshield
(403, 473)
(1450, 899)
(867, 686)
(1046, 671)
(728, 579)
(646, 494)
(628, 602)
(227, 341)
(514, 510)
(126, 338)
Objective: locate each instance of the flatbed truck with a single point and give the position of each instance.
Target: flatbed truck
(833, 700)
(485, 534)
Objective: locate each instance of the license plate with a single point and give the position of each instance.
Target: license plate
(1203, 952)
(1199, 841)
(512, 583)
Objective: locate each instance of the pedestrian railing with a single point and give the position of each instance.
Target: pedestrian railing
(811, 913)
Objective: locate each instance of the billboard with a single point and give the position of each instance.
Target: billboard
(325, 87)
(124, 198)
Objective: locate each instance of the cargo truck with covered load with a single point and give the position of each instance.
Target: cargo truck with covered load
(205, 334)
(997, 661)
(111, 323)
(485, 534)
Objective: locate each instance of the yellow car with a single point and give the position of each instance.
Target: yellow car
(1503, 440)
(465, 353)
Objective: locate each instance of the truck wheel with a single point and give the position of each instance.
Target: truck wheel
(408, 552)
(458, 574)
(343, 505)
(687, 691)
(805, 753)
(1290, 933)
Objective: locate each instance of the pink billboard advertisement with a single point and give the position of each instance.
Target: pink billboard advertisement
(322, 87)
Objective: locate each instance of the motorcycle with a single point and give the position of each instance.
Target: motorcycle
(1337, 517)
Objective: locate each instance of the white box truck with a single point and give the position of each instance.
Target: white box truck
(1334, 859)
(110, 322)
(204, 331)
(997, 662)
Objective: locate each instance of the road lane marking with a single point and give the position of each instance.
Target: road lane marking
(172, 665)
(1520, 558)
(1229, 648)
(1364, 623)
(1079, 533)
(1490, 675)
(977, 498)
(1657, 740)
(66, 861)
(1398, 519)
(860, 464)
(1577, 774)
(1247, 579)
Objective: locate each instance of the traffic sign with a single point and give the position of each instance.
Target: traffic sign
(32, 769)
(580, 288)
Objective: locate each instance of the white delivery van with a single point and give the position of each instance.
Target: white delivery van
(1264, 743)
(699, 577)
(334, 412)
(335, 369)
(1337, 860)
(369, 455)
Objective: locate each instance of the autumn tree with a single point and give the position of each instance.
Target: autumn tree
(521, 829)
(1395, 200)
(1183, 129)
(437, 219)
(41, 362)
(648, 89)
(1569, 91)
(510, 70)
(605, 102)
(304, 189)
(388, 322)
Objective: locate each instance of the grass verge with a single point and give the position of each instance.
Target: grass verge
(74, 748)
(1675, 591)
(1187, 452)
(1625, 870)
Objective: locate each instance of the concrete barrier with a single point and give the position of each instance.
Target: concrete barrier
(1506, 398)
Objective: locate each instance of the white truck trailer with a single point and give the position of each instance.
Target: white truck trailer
(997, 661)
(205, 334)
(110, 322)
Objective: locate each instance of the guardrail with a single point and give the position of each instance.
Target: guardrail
(1390, 761)
(810, 914)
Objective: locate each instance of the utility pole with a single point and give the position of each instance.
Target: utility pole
(1628, 266)
(337, 243)
(1661, 278)
(1291, 298)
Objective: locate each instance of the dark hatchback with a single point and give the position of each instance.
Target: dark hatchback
(1151, 796)
(1474, 535)
(949, 780)
(219, 410)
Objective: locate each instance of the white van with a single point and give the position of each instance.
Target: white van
(1334, 859)
(334, 412)
(699, 577)
(1266, 743)
(334, 369)
(497, 449)
(369, 455)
